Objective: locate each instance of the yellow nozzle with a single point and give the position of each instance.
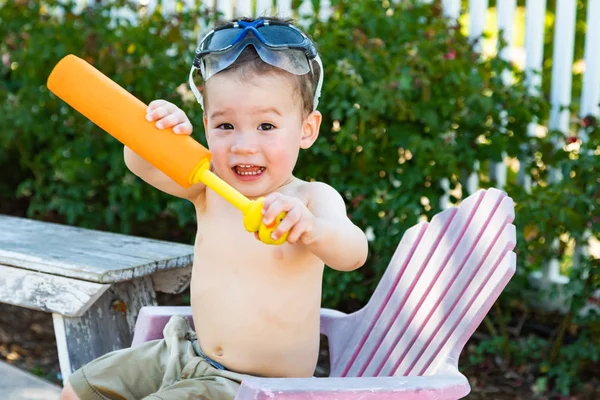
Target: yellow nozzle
(251, 209)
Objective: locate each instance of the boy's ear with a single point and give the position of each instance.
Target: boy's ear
(310, 129)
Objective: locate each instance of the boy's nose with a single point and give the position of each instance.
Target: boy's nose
(245, 144)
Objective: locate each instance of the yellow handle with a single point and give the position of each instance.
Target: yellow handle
(251, 209)
(253, 222)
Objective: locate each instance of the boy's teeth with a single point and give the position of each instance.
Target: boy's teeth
(244, 169)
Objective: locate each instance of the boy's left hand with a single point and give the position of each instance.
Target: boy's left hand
(299, 221)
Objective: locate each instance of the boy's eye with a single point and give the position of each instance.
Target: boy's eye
(225, 126)
(266, 127)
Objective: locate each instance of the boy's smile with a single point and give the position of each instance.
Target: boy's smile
(248, 172)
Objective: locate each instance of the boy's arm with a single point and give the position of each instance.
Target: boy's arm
(152, 175)
(168, 116)
(337, 241)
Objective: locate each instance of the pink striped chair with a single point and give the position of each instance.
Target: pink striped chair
(405, 343)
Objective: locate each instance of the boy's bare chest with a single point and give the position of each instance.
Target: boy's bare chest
(223, 242)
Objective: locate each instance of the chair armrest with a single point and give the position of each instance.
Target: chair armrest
(329, 320)
(450, 385)
(152, 320)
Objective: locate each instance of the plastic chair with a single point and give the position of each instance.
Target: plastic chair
(405, 343)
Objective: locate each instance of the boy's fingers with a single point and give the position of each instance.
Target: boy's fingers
(269, 200)
(157, 113)
(171, 120)
(273, 210)
(297, 230)
(183, 129)
(291, 219)
(155, 104)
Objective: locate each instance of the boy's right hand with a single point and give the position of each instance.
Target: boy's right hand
(167, 115)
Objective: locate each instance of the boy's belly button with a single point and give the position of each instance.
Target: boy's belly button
(218, 351)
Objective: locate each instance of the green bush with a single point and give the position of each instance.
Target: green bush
(407, 102)
(65, 167)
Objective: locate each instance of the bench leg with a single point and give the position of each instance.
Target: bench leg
(106, 326)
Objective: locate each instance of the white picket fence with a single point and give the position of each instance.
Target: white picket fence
(530, 56)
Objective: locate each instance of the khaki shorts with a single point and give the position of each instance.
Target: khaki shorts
(170, 368)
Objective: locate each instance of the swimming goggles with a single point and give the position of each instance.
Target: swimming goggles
(277, 43)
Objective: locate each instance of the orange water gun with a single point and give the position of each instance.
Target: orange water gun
(122, 115)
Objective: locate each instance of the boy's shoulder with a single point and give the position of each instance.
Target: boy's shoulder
(309, 187)
(316, 192)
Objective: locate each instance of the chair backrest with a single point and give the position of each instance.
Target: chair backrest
(441, 282)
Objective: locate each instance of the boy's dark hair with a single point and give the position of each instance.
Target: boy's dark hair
(249, 62)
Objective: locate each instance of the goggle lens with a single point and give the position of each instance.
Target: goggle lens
(281, 35)
(221, 39)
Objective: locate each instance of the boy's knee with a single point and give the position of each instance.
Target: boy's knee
(68, 393)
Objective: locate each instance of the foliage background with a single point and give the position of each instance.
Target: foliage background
(406, 102)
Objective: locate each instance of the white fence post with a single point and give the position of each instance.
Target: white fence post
(562, 65)
(505, 11)
(225, 7)
(284, 8)
(451, 9)
(477, 13)
(243, 8)
(590, 95)
(264, 8)
(590, 98)
(534, 56)
(560, 97)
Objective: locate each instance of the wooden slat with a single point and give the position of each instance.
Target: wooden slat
(106, 326)
(85, 254)
(56, 294)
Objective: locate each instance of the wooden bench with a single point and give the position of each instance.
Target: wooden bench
(94, 283)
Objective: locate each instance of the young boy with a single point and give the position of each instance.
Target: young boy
(255, 306)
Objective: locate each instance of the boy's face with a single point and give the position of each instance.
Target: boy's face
(255, 128)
